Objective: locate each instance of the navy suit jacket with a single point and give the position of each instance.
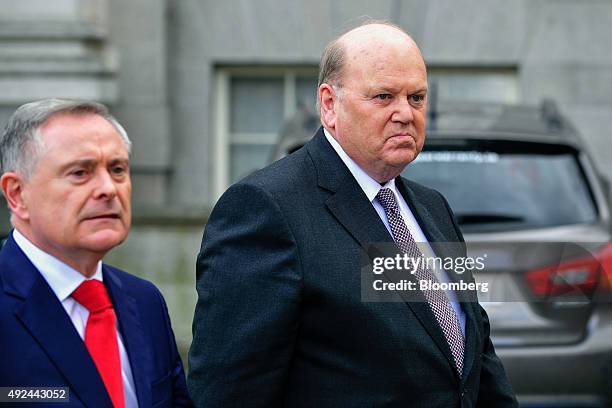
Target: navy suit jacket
(280, 321)
(41, 347)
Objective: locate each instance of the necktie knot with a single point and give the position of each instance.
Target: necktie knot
(386, 198)
(92, 295)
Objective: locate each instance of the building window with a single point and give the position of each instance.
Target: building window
(252, 104)
(492, 85)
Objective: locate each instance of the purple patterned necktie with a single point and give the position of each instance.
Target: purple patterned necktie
(439, 303)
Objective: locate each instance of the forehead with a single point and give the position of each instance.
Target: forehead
(73, 132)
(386, 54)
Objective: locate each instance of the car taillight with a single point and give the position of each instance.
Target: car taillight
(575, 276)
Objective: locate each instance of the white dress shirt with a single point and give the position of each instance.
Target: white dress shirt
(371, 188)
(63, 280)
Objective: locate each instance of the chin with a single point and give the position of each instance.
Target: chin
(104, 241)
(401, 160)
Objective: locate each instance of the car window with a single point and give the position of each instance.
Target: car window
(507, 186)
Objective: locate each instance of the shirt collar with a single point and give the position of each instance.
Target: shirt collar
(62, 278)
(369, 186)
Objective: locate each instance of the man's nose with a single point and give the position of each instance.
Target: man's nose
(403, 111)
(105, 187)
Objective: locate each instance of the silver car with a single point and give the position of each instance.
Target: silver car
(525, 192)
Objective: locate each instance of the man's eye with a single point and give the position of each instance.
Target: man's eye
(418, 99)
(383, 97)
(78, 173)
(118, 170)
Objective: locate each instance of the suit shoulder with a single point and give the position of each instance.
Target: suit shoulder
(285, 175)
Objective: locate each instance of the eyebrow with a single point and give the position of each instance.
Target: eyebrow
(381, 88)
(80, 162)
(119, 161)
(91, 162)
(388, 89)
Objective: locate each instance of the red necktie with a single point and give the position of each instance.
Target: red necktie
(101, 336)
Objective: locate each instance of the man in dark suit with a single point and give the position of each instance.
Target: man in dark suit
(280, 320)
(66, 319)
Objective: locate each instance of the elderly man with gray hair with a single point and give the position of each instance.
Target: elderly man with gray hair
(90, 334)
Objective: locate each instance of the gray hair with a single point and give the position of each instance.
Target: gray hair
(331, 63)
(21, 143)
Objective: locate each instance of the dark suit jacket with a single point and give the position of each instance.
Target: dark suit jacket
(279, 319)
(41, 347)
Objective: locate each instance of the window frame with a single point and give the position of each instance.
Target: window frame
(222, 128)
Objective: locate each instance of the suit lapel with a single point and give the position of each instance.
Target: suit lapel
(347, 203)
(132, 335)
(355, 213)
(420, 211)
(44, 317)
(434, 235)
(417, 302)
(472, 337)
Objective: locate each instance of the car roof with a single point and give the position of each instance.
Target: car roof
(543, 124)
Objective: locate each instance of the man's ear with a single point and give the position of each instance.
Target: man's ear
(327, 100)
(13, 189)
